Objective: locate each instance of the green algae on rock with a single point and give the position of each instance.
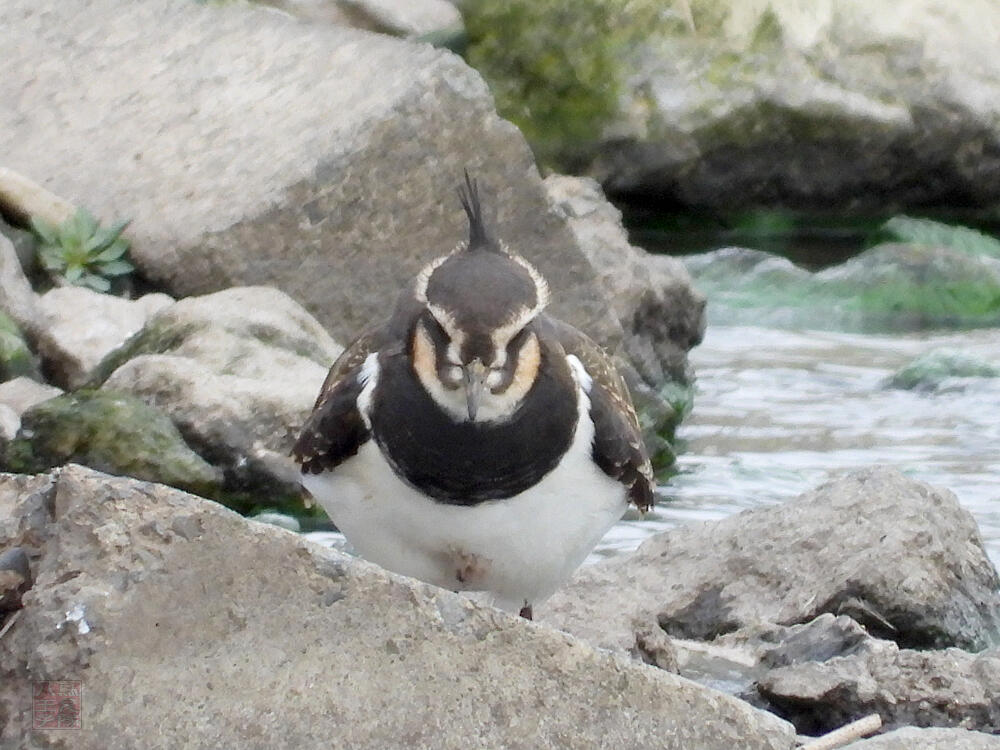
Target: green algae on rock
(16, 358)
(891, 287)
(556, 66)
(930, 233)
(931, 370)
(111, 432)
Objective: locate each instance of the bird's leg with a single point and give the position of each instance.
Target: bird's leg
(526, 611)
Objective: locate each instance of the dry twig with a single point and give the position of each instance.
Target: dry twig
(846, 734)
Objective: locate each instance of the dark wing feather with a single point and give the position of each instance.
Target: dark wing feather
(335, 430)
(618, 447)
(350, 360)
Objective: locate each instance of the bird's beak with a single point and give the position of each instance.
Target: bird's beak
(475, 385)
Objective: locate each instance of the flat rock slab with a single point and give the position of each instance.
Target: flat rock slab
(250, 148)
(901, 557)
(193, 626)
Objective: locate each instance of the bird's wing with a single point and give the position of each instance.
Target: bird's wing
(618, 448)
(336, 430)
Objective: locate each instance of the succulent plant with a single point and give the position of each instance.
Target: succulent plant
(82, 252)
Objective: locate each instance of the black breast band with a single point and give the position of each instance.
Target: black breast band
(467, 463)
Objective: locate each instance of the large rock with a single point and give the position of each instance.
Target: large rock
(847, 103)
(238, 371)
(912, 738)
(317, 159)
(190, 626)
(904, 559)
(951, 688)
(78, 327)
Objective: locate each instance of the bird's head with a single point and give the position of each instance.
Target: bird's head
(473, 347)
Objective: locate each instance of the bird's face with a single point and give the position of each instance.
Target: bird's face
(473, 347)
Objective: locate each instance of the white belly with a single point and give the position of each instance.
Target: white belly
(520, 548)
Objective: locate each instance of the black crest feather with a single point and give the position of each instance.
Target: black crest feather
(479, 238)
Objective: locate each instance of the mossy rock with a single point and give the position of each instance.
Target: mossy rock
(929, 371)
(112, 432)
(891, 287)
(660, 413)
(16, 359)
(929, 233)
(556, 67)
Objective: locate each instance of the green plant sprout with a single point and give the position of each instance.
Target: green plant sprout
(82, 252)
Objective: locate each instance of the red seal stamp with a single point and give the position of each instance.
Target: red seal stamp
(57, 704)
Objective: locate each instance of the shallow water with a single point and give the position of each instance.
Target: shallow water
(778, 412)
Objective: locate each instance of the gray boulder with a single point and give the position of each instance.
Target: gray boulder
(78, 327)
(190, 626)
(238, 371)
(323, 162)
(852, 103)
(950, 688)
(904, 559)
(911, 738)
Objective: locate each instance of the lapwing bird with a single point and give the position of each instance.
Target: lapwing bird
(473, 441)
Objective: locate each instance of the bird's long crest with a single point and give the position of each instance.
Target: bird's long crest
(479, 238)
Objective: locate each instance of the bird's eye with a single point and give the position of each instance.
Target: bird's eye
(451, 376)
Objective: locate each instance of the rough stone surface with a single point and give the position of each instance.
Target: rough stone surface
(662, 313)
(79, 327)
(838, 102)
(193, 626)
(405, 18)
(899, 556)
(238, 371)
(109, 431)
(923, 688)
(914, 738)
(17, 298)
(314, 158)
(20, 394)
